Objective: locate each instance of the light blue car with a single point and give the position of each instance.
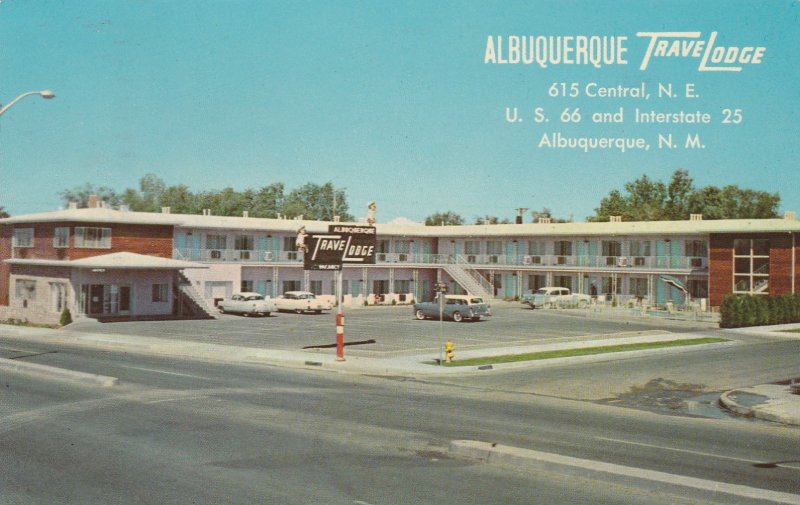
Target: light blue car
(456, 308)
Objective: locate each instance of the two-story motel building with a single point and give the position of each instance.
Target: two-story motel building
(107, 263)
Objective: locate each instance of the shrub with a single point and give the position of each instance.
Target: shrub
(66, 317)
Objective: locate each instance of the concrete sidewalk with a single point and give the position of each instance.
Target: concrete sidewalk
(770, 402)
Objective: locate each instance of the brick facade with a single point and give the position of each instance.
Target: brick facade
(781, 247)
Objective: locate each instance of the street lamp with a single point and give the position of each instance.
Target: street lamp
(46, 94)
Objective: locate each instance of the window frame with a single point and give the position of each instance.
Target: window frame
(60, 238)
(102, 241)
(27, 234)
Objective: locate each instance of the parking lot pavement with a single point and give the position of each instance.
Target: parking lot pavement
(394, 330)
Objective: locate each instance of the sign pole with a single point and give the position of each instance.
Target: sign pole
(339, 318)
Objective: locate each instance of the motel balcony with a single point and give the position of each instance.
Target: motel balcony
(482, 261)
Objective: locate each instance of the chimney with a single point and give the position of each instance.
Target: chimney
(72, 205)
(544, 220)
(790, 215)
(206, 212)
(615, 219)
(518, 220)
(93, 202)
(124, 207)
(695, 217)
(166, 210)
(245, 213)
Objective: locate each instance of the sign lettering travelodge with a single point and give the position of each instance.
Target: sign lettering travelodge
(342, 244)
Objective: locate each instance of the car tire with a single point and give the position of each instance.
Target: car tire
(221, 310)
(317, 312)
(583, 304)
(476, 318)
(298, 311)
(457, 317)
(419, 314)
(245, 314)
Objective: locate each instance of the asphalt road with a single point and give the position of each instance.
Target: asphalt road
(179, 431)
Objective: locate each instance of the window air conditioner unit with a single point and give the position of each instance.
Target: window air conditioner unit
(527, 260)
(536, 260)
(244, 255)
(638, 261)
(381, 256)
(267, 255)
(493, 259)
(622, 261)
(291, 255)
(696, 262)
(471, 258)
(215, 255)
(402, 257)
(562, 260)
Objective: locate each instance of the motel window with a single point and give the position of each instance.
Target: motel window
(537, 247)
(751, 266)
(472, 247)
(696, 248)
(402, 246)
(637, 286)
(92, 238)
(217, 242)
(61, 237)
(562, 281)
(403, 286)
(612, 248)
(494, 247)
(291, 286)
(382, 246)
(23, 237)
(563, 248)
(160, 293)
(315, 287)
(640, 248)
(58, 296)
(25, 289)
(244, 243)
(536, 281)
(246, 286)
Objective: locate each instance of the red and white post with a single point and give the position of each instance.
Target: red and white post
(339, 318)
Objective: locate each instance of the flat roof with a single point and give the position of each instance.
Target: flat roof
(624, 228)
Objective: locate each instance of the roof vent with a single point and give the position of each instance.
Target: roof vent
(124, 207)
(245, 213)
(544, 220)
(166, 210)
(615, 219)
(695, 217)
(92, 202)
(206, 212)
(790, 215)
(72, 205)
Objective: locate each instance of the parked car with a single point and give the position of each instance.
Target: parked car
(301, 301)
(455, 307)
(555, 297)
(247, 304)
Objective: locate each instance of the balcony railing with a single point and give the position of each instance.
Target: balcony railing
(483, 261)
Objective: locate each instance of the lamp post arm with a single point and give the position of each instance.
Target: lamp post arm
(44, 94)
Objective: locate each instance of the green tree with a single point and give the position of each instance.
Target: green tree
(491, 220)
(80, 195)
(314, 201)
(268, 201)
(647, 200)
(444, 219)
(3, 212)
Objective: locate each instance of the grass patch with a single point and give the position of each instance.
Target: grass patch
(584, 351)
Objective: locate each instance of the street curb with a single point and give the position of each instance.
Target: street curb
(57, 373)
(761, 411)
(517, 457)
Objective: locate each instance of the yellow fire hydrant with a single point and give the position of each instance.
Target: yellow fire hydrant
(448, 351)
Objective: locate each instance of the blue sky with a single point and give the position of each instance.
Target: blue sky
(390, 100)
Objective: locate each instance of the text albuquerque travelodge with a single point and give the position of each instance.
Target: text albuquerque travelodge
(598, 51)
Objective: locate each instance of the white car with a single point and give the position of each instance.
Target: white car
(301, 301)
(556, 297)
(247, 304)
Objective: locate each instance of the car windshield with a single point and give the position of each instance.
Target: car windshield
(476, 300)
(255, 297)
(540, 292)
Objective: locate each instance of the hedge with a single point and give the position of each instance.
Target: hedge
(752, 310)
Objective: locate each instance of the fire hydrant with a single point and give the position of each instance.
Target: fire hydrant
(448, 351)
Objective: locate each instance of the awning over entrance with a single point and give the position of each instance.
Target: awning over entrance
(116, 261)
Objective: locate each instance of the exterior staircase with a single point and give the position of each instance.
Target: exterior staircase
(189, 303)
(469, 278)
